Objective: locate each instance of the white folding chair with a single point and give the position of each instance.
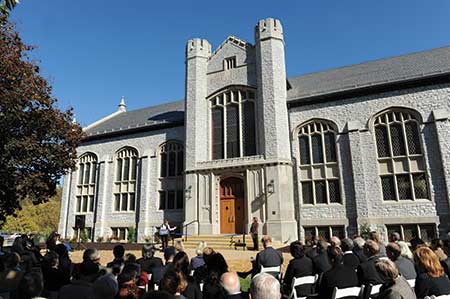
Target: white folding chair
(411, 282)
(438, 297)
(375, 289)
(271, 270)
(348, 292)
(298, 281)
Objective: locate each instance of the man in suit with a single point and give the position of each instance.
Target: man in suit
(367, 273)
(340, 275)
(358, 250)
(299, 266)
(320, 261)
(269, 257)
(231, 286)
(349, 258)
(404, 265)
(254, 233)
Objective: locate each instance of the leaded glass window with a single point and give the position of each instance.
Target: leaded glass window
(87, 170)
(400, 157)
(318, 163)
(172, 159)
(233, 132)
(125, 184)
(323, 232)
(425, 231)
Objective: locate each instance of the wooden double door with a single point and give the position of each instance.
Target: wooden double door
(232, 206)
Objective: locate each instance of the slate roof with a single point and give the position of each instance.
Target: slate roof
(383, 72)
(156, 116)
(378, 72)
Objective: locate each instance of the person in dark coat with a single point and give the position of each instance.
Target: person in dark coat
(395, 286)
(339, 275)
(367, 273)
(269, 257)
(81, 288)
(181, 264)
(64, 262)
(254, 233)
(431, 278)
(349, 258)
(404, 266)
(299, 266)
(231, 286)
(216, 266)
(118, 262)
(148, 260)
(54, 277)
(321, 262)
(358, 249)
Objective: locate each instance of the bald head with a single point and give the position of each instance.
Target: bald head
(230, 282)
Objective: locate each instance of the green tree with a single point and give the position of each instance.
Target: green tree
(38, 141)
(41, 218)
(7, 5)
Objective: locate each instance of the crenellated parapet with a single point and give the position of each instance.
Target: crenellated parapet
(268, 28)
(198, 47)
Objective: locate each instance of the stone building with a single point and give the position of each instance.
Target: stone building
(327, 153)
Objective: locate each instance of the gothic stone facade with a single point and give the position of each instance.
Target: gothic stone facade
(328, 153)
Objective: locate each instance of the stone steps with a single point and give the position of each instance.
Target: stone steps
(222, 242)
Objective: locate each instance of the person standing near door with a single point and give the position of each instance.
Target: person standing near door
(254, 233)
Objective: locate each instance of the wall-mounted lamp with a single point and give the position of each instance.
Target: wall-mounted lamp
(271, 187)
(187, 192)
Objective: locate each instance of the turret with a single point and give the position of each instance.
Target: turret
(271, 79)
(122, 105)
(196, 113)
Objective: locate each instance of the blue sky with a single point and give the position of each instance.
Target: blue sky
(93, 52)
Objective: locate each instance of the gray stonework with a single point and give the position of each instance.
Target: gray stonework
(270, 178)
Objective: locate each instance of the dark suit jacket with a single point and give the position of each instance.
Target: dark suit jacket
(351, 260)
(427, 285)
(269, 257)
(360, 254)
(298, 268)
(406, 268)
(148, 264)
(340, 276)
(321, 263)
(368, 274)
(238, 296)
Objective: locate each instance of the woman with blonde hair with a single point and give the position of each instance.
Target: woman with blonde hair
(431, 279)
(395, 285)
(198, 261)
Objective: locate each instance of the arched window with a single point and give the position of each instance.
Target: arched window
(125, 182)
(87, 168)
(319, 169)
(400, 157)
(171, 195)
(172, 159)
(233, 123)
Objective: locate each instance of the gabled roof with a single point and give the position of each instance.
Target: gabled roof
(168, 114)
(384, 72)
(398, 69)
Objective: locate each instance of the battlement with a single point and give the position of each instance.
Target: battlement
(198, 48)
(268, 28)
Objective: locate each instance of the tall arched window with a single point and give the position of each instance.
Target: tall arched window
(319, 169)
(400, 157)
(171, 195)
(85, 198)
(125, 182)
(233, 123)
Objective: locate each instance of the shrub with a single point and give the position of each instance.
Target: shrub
(131, 235)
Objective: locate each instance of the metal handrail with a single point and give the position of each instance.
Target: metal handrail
(186, 226)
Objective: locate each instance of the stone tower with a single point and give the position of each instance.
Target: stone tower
(274, 128)
(196, 121)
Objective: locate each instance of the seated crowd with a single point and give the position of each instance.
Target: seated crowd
(393, 270)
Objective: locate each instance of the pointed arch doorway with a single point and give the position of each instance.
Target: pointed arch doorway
(232, 206)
